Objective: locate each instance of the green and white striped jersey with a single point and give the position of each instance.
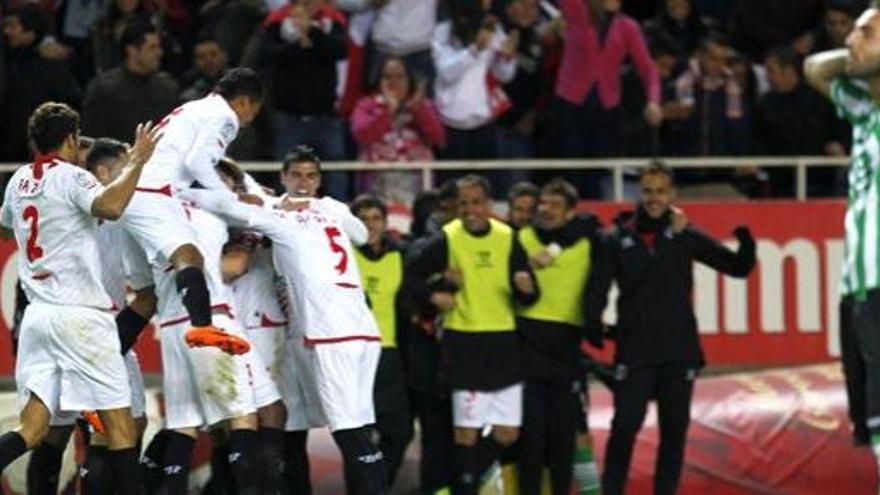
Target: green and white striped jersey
(861, 265)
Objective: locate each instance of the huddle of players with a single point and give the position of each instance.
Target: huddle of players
(241, 325)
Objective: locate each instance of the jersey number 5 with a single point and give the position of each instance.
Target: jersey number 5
(332, 234)
(30, 214)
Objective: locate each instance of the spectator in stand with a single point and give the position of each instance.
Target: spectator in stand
(517, 127)
(598, 38)
(401, 29)
(136, 91)
(794, 119)
(840, 17)
(473, 56)
(106, 35)
(210, 63)
(30, 79)
(231, 23)
(78, 19)
(301, 46)
(757, 25)
(710, 105)
(522, 204)
(396, 123)
(683, 22)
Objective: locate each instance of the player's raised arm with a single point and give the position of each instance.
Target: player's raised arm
(821, 68)
(113, 200)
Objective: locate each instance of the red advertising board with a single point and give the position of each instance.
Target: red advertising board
(784, 431)
(785, 313)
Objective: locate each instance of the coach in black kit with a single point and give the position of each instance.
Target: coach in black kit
(658, 349)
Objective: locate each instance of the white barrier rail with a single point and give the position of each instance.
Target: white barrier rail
(616, 166)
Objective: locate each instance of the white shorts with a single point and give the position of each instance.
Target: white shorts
(158, 224)
(69, 357)
(264, 389)
(202, 386)
(138, 394)
(332, 385)
(136, 382)
(478, 409)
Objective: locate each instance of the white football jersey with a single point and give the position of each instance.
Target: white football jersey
(211, 235)
(48, 206)
(112, 262)
(314, 260)
(256, 296)
(195, 136)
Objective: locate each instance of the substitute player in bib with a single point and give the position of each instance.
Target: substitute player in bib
(197, 135)
(850, 77)
(69, 354)
(334, 339)
(480, 355)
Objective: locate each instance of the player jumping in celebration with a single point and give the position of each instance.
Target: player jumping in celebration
(69, 356)
(196, 136)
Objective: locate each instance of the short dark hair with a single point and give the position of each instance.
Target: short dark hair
(103, 149)
(367, 201)
(50, 124)
(135, 33)
(448, 191)
(240, 81)
(522, 188)
(302, 153)
(562, 187)
(784, 55)
(474, 180)
(229, 168)
(714, 38)
(32, 18)
(658, 167)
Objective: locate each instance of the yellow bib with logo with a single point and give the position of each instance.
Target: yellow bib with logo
(485, 301)
(563, 282)
(381, 280)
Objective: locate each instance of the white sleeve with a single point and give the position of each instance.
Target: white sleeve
(213, 136)
(238, 214)
(503, 68)
(6, 209)
(351, 225)
(82, 188)
(253, 187)
(451, 62)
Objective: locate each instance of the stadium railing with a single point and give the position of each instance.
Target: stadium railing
(617, 166)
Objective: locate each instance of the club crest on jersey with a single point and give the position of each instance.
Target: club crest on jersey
(86, 180)
(484, 259)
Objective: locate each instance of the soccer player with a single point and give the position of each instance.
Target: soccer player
(69, 355)
(850, 77)
(196, 136)
(335, 341)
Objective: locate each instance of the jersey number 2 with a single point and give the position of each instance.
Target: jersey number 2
(332, 234)
(30, 214)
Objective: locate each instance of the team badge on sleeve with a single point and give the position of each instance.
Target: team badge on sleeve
(86, 180)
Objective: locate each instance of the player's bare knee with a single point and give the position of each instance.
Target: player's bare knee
(120, 428)
(505, 435)
(187, 255)
(272, 416)
(33, 432)
(248, 422)
(466, 437)
(190, 432)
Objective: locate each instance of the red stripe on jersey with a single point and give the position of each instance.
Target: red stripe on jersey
(265, 322)
(216, 309)
(346, 285)
(339, 340)
(41, 160)
(41, 276)
(166, 190)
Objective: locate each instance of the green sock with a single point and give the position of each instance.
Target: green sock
(586, 473)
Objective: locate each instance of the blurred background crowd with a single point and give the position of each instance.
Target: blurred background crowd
(417, 80)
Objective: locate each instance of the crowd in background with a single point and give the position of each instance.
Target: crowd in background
(412, 80)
